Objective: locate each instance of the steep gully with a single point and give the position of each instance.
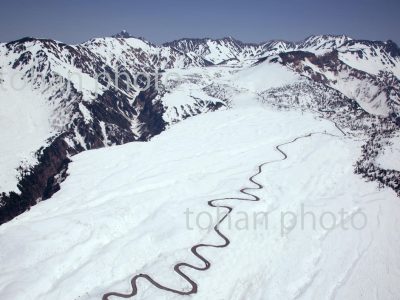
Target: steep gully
(213, 203)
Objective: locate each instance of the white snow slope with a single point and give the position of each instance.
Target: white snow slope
(389, 159)
(27, 112)
(121, 212)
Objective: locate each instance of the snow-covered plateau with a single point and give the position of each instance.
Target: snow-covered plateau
(253, 171)
(121, 212)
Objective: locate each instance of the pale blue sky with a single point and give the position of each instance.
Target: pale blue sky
(74, 21)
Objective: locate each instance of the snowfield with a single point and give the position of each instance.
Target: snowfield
(389, 159)
(264, 76)
(21, 111)
(123, 211)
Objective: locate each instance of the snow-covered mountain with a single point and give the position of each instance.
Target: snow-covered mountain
(194, 128)
(320, 44)
(378, 94)
(71, 98)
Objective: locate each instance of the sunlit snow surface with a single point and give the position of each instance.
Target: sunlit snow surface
(121, 212)
(22, 111)
(389, 159)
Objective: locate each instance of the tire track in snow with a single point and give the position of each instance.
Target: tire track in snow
(212, 203)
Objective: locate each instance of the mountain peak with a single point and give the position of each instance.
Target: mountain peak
(392, 48)
(122, 35)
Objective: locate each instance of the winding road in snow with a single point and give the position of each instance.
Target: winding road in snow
(213, 203)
